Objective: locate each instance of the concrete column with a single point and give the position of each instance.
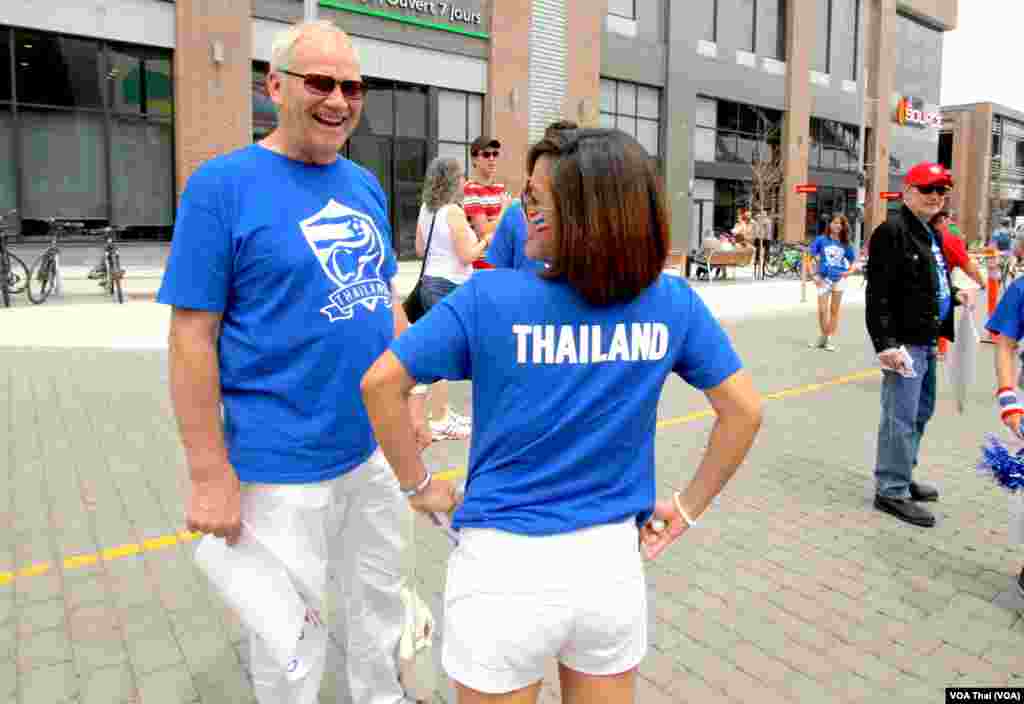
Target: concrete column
(977, 210)
(881, 57)
(801, 23)
(212, 81)
(678, 115)
(506, 108)
(583, 94)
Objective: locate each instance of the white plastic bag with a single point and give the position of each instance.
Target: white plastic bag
(962, 358)
(417, 671)
(1015, 532)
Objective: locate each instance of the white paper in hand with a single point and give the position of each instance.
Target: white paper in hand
(907, 368)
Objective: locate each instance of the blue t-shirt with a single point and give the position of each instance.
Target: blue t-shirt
(834, 257)
(565, 394)
(298, 259)
(942, 291)
(508, 246)
(1002, 239)
(1008, 318)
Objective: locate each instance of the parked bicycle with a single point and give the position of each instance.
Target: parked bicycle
(784, 259)
(13, 272)
(46, 268)
(112, 272)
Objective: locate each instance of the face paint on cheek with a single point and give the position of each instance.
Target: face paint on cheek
(539, 223)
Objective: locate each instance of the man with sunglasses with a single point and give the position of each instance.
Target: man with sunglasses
(280, 277)
(483, 196)
(910, 299)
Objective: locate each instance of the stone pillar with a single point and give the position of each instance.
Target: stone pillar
(506, 109)
(212, 81)
(801, 23)
(583, 95)
(881, 57)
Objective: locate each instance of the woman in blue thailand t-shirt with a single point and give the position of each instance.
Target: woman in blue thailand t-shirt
(567, 367)
(834, 257)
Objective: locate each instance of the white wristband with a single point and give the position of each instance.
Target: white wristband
(690, 523)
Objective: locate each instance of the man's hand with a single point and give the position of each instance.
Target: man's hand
(424, 438)
(965, 299)
(652, 541)
(439, 497)
(214, 506)
(892, 358)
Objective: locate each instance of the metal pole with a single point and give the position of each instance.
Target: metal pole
(309, 10)
(861, 147)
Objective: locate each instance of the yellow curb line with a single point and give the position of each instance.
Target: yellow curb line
(184, 536)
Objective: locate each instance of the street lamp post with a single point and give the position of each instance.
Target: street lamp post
(861, 147)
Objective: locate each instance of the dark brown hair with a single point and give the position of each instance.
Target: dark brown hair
(556, 128)
(611, 219)
(844, 236)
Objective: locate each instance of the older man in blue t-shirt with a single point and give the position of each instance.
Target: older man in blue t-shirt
(280, 280)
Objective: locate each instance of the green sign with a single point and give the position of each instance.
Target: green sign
(420, 13)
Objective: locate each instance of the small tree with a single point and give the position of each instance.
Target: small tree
(766, 180)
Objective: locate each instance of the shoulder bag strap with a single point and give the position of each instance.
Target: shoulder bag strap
(426, 251)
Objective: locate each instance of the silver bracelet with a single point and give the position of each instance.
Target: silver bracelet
(419, 488)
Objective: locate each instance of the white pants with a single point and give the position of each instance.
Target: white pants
(355, 542)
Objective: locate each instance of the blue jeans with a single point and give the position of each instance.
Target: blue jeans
(907, 406)
(433, 289)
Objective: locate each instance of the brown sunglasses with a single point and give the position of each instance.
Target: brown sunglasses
(323, 85)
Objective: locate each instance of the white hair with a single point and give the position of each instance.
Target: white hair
(286, 39)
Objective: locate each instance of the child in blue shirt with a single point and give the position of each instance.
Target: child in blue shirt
(834, 259)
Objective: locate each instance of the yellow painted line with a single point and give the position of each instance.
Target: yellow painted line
(80, 561)
(184, 536)
(121, 551)
(33, 570)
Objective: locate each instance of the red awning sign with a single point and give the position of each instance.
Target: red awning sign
(806, 188)
(890, 195)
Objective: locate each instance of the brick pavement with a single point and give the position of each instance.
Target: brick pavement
(791, 590)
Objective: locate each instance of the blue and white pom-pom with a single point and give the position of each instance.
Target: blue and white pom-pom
(1006, 467)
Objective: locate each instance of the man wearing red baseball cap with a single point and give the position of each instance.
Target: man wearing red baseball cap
(910, 299)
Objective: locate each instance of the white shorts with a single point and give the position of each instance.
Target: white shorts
(512, 602)
(826, 286)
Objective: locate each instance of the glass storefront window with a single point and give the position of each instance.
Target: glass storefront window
(411, 111)
(142, 178)
(834, 145)
(58, 71)
(378, 109)
(63, 168)
(264, 113)
(8, 183)
(635, 109)
(5, 64)
(137, 84)
(459, 117)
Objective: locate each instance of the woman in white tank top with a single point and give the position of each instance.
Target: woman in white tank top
(453, 249)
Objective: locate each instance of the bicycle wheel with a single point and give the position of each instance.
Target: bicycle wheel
(114, 274)
(42, 278)
(4, 267)
(17, 274)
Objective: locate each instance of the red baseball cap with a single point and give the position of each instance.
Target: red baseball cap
(928, 174)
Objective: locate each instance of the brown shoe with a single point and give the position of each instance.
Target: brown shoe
(905, 510)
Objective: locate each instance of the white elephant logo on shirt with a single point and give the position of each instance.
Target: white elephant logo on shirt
(351, 252)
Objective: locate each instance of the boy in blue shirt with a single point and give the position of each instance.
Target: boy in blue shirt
(508, 246)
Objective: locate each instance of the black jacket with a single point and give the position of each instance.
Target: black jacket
(902, 308)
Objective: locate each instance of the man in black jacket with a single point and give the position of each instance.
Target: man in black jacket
(910, 300)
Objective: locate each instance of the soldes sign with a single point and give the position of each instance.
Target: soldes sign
(911, 112)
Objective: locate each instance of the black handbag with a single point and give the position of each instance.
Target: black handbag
(413, 304)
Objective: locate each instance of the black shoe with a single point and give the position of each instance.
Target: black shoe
(1020, 582)
(905, 510)
(923, 492)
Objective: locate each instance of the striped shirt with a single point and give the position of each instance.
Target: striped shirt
(481, 199)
